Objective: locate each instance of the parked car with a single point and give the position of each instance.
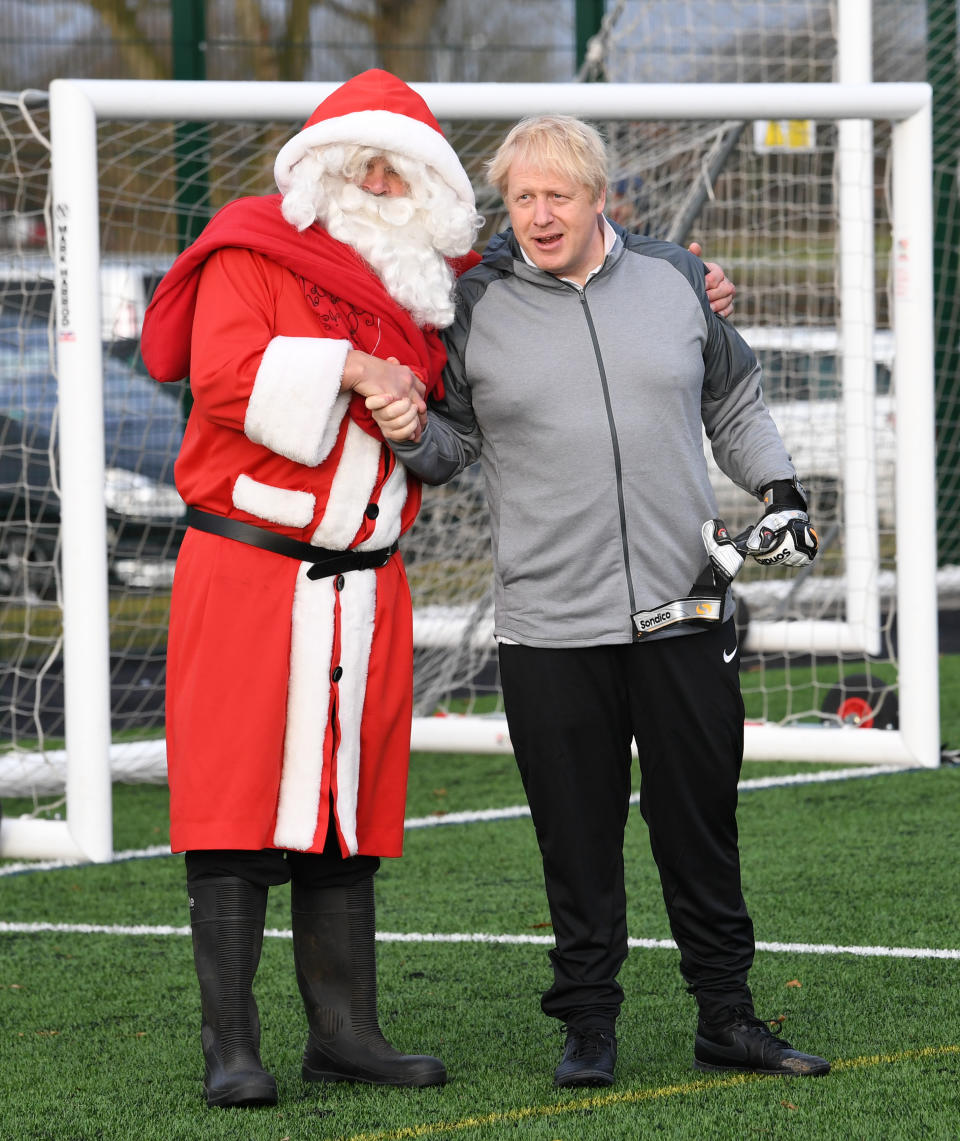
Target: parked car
(27, 284)
(143, 428)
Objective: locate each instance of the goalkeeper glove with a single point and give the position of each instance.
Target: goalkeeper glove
(784, 535)
(725, 558)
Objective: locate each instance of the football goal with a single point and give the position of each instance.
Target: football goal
(816, 198)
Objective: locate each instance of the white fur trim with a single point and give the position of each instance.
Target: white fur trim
(384, 130)
(350, 490)
(308, 700)
(334, 421)
(295, 395)
(358, 601)
(391, 501)
(275, 504)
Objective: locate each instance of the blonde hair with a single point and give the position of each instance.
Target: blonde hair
(558, 143)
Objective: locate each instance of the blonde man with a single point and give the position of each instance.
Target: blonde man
(583, 365)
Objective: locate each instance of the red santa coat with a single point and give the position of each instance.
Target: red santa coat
(286, 696)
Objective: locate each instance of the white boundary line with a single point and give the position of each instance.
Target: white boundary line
(493, 814)
(751, 785)
(489, 939)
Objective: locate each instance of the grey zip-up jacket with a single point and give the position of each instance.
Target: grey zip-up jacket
(584, 407)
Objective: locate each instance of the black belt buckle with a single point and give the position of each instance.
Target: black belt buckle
(353, 560)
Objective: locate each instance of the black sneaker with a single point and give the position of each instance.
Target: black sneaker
(588, 1058)
(747, 1043)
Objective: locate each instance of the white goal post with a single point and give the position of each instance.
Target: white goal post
(78, 106)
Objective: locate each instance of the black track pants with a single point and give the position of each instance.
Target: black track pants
(572, 715)
(270, 867)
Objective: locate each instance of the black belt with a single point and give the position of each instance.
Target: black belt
(325, 562)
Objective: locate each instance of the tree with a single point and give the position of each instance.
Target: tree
(400, 31)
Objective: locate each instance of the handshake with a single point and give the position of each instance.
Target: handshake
(783, 537)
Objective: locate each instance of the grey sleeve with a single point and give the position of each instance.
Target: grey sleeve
(745, 440)
(451, 439)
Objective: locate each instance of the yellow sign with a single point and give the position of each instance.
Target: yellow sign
(784, 136)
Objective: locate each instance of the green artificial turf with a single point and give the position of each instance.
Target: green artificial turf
(99, 1020)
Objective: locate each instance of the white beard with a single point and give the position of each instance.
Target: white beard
(389, 234)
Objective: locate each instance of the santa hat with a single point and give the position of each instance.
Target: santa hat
(375, 109)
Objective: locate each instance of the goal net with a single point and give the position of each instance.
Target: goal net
(826, 231)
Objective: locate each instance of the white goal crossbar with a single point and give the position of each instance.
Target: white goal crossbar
(76, 106)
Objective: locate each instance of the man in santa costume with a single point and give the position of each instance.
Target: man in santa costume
(289, 669)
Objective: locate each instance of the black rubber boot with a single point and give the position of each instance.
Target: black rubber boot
(334, 934)
(226, 917)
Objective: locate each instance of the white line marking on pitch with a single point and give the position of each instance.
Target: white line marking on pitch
(482, 937)
(754, 783)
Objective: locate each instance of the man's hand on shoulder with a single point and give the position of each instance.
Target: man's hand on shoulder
(720, 291)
